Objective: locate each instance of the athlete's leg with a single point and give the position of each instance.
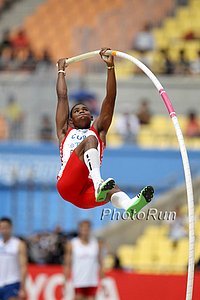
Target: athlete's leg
(119, 199)
(79, 297)
(90, 293)
(88, 153)
(79, 294)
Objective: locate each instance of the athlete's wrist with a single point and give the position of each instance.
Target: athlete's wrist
(61, 67)
(61, 72)
(110, 67)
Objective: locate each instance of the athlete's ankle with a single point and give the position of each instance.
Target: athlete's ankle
(97, 185)
(104, 187)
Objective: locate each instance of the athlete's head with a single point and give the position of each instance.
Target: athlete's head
(5, 228)
(84, 229)
(80, 116)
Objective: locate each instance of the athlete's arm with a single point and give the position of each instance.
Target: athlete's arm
(67, 260)
(62, 111)
(23, 269)
(104, 120)
(100, 259)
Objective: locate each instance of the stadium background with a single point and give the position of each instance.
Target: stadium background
(29, 161)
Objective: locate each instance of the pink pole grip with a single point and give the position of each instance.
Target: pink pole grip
(167, 102)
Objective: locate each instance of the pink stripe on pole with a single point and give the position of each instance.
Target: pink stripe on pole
(168, 104)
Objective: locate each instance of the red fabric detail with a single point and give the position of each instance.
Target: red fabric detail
(86, 291)
(75, 186)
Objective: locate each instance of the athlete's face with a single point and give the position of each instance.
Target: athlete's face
(5, 229)
(81, 116)
(84, 230)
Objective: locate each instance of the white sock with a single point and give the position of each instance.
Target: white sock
(92, 161)
(122, 200)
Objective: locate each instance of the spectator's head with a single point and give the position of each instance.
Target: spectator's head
(11, 100)
(192, 116)
(198, 53)
(164, 52)
(46, 120)
(182, 53)
(7, 53)
(6, 227)
(147, 27)
(84, 229)
(117, 262)
(21, 33)
(46, 56)
(145, 103)
(30, 52)
(6, 35)
(58, 229)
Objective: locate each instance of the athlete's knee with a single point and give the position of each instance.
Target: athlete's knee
(91, 139)
(90, 142)
(63, 188)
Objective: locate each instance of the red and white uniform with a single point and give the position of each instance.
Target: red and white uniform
(72, 139)
(85, 267)
(74, 184)
(85, 264)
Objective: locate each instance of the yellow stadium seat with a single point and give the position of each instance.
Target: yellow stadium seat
(195, 4)
(108, 262)
(197, 209)
(126, 256)
(160, 40)
(183, 13)
(152, 230)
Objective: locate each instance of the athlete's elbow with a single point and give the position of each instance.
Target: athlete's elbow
(62, 96)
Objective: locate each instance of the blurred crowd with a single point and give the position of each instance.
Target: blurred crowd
(127, 125)
(16, 53)
(182, 67)
(6, 4)
(12, 123)
(48, 247)
(144, 43)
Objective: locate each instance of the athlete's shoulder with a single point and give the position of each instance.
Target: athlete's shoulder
(69, 130)
(15, 240)
(64, 137)
(94, 129)
(75, 241)
(93, 240)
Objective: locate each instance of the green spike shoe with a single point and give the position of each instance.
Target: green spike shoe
(104, 188)
(144, 197)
